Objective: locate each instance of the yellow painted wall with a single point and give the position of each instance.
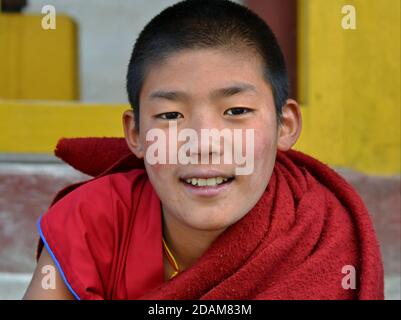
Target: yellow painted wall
(37, 63)
(350, 84)
(35, 127)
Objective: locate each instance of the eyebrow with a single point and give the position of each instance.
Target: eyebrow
(174, 95)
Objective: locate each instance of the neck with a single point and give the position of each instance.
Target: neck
(186, 244)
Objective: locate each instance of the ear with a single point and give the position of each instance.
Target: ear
(290, 126)
(132, 134)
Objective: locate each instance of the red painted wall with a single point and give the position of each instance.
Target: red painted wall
(281, 16)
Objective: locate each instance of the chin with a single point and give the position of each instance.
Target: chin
(208, 221)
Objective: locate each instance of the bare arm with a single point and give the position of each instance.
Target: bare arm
(46, 283)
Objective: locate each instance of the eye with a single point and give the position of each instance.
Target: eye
(169, 116)
(236, 111)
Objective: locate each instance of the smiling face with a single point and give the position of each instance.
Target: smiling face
(208, 89)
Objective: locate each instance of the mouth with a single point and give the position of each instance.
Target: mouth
(207, 185)
(207, 182)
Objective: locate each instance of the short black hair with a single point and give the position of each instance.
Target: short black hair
(197, 24)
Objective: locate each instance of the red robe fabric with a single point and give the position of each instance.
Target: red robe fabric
(310, 224)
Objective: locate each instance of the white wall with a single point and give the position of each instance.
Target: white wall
(107, 32)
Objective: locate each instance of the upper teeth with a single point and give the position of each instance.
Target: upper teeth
(206, 182)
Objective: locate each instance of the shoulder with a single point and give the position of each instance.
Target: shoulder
(84, 230)
(94, 202)
(105, 188)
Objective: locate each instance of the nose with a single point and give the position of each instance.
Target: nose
(208, 130)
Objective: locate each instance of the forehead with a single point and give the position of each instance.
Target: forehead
(201, 71)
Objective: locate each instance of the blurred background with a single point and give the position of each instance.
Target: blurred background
(70, 82)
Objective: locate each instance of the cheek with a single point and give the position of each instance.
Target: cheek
(162, 179)
(265, 156)
(265, 142)
(159, 174)
(264, 146)
(154, 170)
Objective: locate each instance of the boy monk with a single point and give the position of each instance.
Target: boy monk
(187, 226)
